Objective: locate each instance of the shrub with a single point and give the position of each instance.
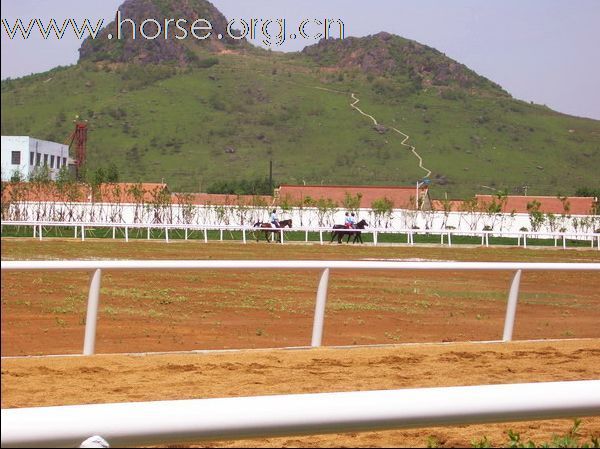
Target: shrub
(207, 62)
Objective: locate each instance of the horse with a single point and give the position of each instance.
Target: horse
(269, 229)
(340, 231)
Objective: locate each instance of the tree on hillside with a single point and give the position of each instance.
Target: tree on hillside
(112, 173)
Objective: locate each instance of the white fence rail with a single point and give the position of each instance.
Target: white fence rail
(81, 229)
(145, 423)
(96, 268)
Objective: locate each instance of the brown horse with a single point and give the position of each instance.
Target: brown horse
(268, 229)
(340, 231)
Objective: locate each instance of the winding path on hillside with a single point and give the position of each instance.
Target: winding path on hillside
(406, 136)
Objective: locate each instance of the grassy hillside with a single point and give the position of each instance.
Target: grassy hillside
(225, 118)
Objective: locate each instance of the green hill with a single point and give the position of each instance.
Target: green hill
(222, 113)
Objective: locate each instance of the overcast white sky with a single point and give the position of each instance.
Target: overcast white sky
(546, 51)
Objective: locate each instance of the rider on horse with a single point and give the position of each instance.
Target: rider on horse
(274, 220)
(352, 221)
(347, 221)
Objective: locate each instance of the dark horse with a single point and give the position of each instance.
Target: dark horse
(340, 231)
(268, 229)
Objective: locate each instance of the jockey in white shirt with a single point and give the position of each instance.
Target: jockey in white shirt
(274, 220)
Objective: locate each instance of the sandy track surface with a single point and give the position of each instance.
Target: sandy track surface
(28, 382)
(44, 313)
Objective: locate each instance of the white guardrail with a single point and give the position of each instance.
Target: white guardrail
(97, 266)
(161, 422)
(80, 230)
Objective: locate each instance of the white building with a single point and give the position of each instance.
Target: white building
(23, 154)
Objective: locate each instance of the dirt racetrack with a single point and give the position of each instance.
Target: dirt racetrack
(101, 379)
(43, 313)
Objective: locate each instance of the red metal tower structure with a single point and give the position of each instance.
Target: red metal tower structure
(79, 136)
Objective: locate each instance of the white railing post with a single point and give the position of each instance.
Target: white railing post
(564, 242)
(148, 233)
(511, 307)
(40, 232)
(126, 234)
(319, 320)
(91, 320)
(82, 233)
(244, 235)
(186, 233)
(321, 237)
(206, 235)
(449, 239)
(281, 236)
(375, 238)
(114, 231)
(167, 234)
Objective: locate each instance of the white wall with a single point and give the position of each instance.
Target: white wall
(27, 145)
(400, 219)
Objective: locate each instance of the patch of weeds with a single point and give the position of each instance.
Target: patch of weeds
(61, 309)
(515, 440)
(391, 336)
(60, 322)
(571, 439)
(271, 305)
(109, 310)
(259, 332)
(483, 442)
(154, 314)
(249, 302)
(433, 441)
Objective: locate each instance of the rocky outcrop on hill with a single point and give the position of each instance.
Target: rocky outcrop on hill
(385, 54)
(168, 46)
